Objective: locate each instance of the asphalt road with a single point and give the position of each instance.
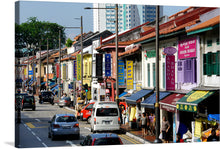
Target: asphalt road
(33, 130)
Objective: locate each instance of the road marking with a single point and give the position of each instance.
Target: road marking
(38, 138)
(87, 128)
(130, 139)
(70, 142)
(37, 120)
(30, 125)
(33, 133)
(44, 145)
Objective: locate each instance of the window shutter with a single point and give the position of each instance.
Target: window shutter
(154, 75)
(218, 63)
(180, 71)
(188, 73)
(164, 75)
(148, 74)
(214, 64)
(208, 60)
(194, 70)
(204, 64)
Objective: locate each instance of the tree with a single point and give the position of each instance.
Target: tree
(34, 33)
(69, 42)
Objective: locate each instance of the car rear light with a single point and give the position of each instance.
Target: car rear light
(120, 141)
(119, 120)
(22, 101)
(93, 142)
(94, 120)
(56, 126)
(65, 101)
(76, 125)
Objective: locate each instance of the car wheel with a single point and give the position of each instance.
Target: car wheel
(60, 106)
(53, 137)
(33, 109)
(77, 136)
(49, 135)
(89, 120)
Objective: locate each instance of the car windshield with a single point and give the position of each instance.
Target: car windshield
(28, 99)
(107, 112)
(46, 93)
(107, 141)
(66, 119)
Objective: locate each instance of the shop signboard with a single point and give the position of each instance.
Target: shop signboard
(74, 70)
(30, 72)
(64, 71)
(99, 60)
(78, 60)
(129, 74)
(187, 48)
(57, 70)
(121, 79)
(198, 129)
(170, 72)
(107, 65)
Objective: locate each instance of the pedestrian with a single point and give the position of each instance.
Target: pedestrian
(40, 98)
(120, 111)
(143, 124)
(151, 117)
(72, 100)
(165, 129)
(147, 124)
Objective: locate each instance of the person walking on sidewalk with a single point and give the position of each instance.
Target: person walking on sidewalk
(151, 117)
(143, 124)
(165, 129)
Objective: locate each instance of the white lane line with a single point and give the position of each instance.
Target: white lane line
(38, 138)
(70, 142)
(44, 145)
(37, 120)
(29, 128)
(87, 128)
(33, 133)
(25, 125)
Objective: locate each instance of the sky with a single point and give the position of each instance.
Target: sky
(63, 13)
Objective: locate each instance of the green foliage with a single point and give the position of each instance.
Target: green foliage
(34, 33)
(69, 42)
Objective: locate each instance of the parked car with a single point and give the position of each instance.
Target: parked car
(85, 113)
(101, 139)
(63, 124)
(18, 99)
(28, 102)
(47, 96)
(65, 101)
(105, 117)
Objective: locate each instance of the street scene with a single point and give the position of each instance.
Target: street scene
(137, 76)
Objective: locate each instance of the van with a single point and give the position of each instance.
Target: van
(105, 117)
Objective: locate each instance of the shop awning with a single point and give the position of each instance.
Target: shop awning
(213, 117)
(42, 83)
(191, 100)
(134, 97)
(122, 94)
(169, 103)
(52, 83)
(55, 88)
(151, 100)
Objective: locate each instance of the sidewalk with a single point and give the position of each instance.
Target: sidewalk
(137, 134)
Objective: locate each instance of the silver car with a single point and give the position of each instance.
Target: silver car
(63, 124)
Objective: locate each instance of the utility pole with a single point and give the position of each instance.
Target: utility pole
(157, 110)
(33, 69)
(28, 73)
(116, 51)
(47, 63)
(81, 58)
(59, 64)
(40, 66)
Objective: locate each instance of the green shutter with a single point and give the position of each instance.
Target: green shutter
(214, 63)
(204, 64)
(209, 63)
(209, 43)
(154, 75)
(163, 75)
(148, 74)
(218, 63)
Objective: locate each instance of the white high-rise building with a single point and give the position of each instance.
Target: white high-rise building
(129, 16)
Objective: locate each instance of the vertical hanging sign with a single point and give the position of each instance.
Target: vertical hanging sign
(64, 72)
(99, 60)
(74, 69)
(121, 80)
(129, 65)
(107, 65)
(78, 60)
(170, 72)
(57, 70)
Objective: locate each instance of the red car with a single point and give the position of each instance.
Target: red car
(86, 112)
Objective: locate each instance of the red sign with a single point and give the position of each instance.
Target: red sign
(107, 91)
(170, 72)
(187, 48)
(57, 70)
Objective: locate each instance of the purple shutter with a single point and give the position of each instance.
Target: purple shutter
(194, 71)
(188, 71)
(180, 71)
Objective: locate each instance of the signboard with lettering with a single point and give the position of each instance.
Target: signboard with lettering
(121, 80)
(99, 60)
(64, 71)
(107, 65)
(74, 70)
(78, 60)
(57, 70)
(170, 72)
(187, 48)
(129, 74)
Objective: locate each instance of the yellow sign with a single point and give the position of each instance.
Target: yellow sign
(196, 95)
(78, 63)
(198, 129)
(64, 71)
(129, 74)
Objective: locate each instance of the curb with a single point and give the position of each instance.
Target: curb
(138, 138)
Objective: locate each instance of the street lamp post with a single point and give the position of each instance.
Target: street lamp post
(40, 66)
(116, 44)
(47, 63)
(157, 110)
